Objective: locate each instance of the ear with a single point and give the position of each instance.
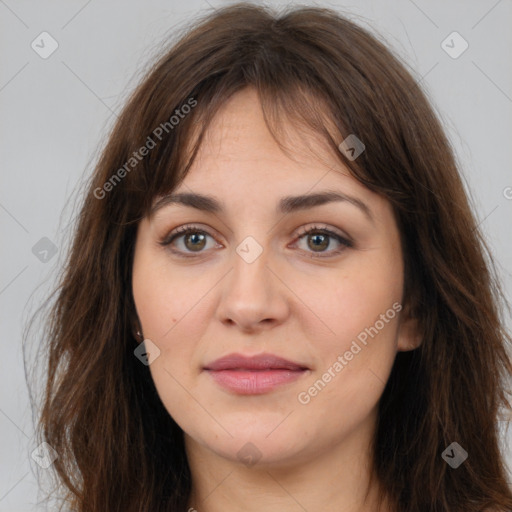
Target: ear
(135, 325)
(409, 336)
(137, 330)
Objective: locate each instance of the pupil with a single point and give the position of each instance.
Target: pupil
(316, 237)
(194, 238)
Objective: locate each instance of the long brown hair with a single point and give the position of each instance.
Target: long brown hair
(118, 448)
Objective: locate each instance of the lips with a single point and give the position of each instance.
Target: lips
(256, 375)
(254, 363)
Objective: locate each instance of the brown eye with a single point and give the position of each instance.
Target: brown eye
(187, 240)
(194, 241)
(319, 240)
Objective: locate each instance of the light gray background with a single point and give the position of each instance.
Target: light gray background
(55, 112)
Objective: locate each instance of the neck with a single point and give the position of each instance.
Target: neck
(336, 479)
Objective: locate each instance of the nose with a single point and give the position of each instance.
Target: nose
(253, 296)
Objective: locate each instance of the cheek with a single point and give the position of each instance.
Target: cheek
(353, 365)
(159, 306)
(362, 305)
(351, 301)
(170, 304)
(164, 295)
(165, 304)
(356, 353)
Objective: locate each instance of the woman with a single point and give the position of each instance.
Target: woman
(277, 296)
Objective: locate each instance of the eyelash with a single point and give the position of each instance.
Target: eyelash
(187, 229)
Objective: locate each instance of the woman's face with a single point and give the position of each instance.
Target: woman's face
(248, 281)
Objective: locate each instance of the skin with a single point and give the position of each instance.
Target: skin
(312, 456)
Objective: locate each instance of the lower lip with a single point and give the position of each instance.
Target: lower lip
(254, 382)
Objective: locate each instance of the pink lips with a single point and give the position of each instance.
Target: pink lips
(254, 375)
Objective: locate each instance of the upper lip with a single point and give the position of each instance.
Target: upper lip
(258, 362)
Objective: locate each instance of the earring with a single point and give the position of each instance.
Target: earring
(139, 335)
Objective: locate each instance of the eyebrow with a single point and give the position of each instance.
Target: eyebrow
(288, 204)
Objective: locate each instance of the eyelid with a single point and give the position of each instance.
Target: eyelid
(326, 228)
(181, 230)
(343, 239)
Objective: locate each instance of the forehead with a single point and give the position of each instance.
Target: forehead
(242, 174)
(239, 155)
(241, 167)
(240, 129)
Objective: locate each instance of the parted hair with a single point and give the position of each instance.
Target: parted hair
(118, 448)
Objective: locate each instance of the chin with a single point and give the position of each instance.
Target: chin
(259, 452)
(256, 440)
